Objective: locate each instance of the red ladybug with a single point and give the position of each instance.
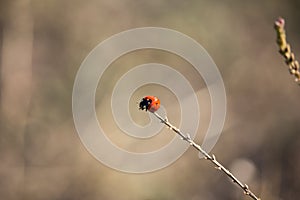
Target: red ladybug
(150, 103)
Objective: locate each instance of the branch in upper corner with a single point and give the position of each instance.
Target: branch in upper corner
(285, 49)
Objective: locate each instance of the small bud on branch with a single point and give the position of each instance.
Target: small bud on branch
(285, 49)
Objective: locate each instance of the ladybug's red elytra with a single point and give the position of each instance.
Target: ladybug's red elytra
(150, 103)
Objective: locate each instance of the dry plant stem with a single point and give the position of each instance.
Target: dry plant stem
(285, 49)
(211, 158)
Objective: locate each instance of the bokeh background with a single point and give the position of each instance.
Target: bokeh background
(42, 46)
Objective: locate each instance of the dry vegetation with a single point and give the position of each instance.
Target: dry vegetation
(42, 46)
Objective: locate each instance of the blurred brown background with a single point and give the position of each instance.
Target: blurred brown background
(42, 46)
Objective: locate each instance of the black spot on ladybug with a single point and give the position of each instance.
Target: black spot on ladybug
(145, 102)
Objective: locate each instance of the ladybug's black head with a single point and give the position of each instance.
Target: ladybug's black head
(145, 102)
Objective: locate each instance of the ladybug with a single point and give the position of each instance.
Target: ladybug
(150, 103)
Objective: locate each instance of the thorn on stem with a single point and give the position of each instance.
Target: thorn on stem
(213, 157)
(188, 136)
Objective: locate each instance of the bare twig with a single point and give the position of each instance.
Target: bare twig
(285, 49)
(211, 158)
